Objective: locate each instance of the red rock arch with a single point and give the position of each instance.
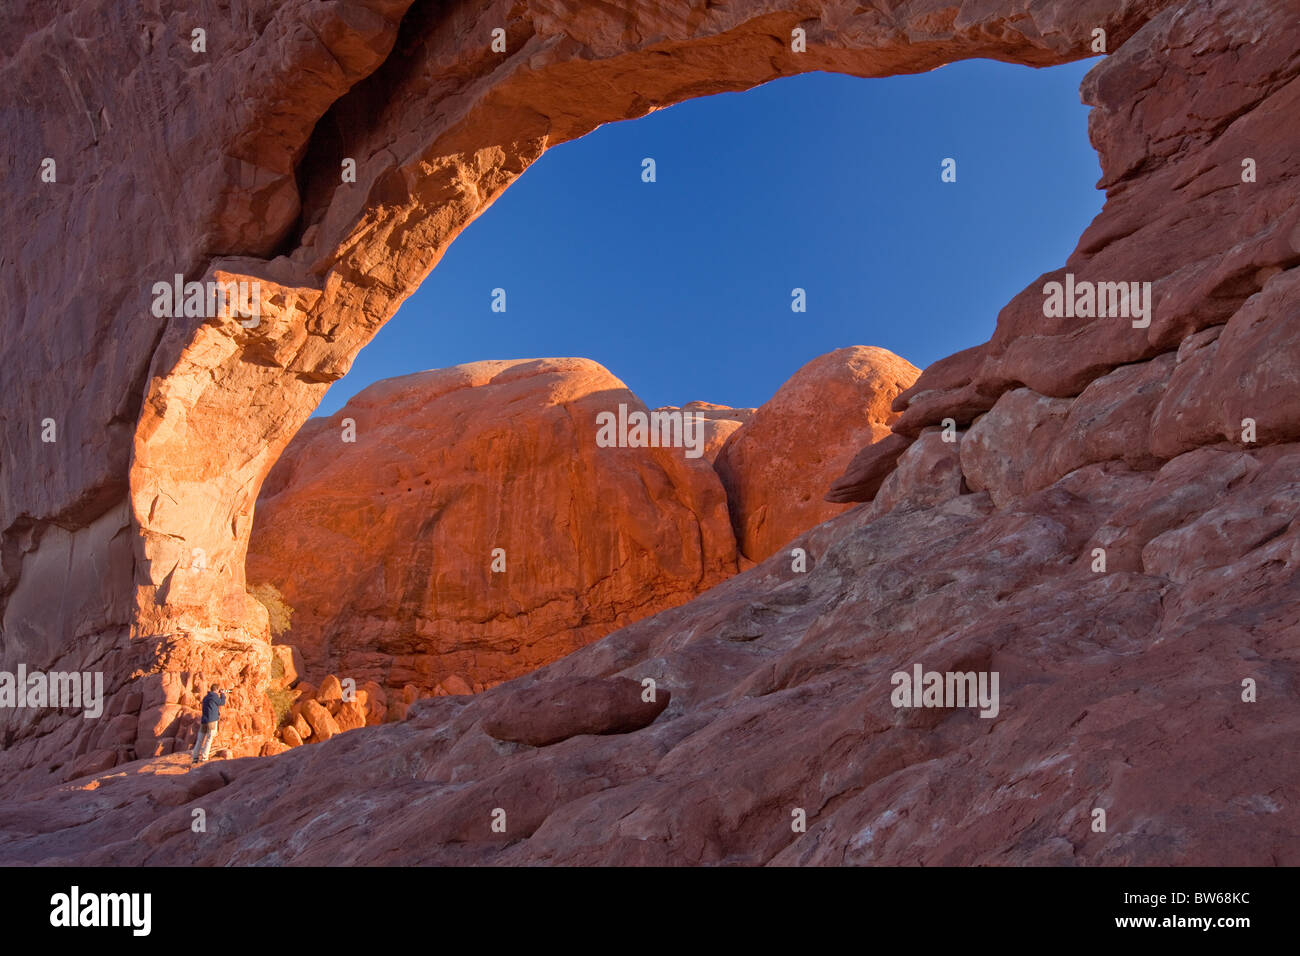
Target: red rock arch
(166, 454)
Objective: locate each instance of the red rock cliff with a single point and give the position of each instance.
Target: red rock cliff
(1124, 685)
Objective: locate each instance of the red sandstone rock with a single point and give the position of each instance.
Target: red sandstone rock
(139, 516)
(372, 697)
(321, 721)
(300, 726)
(350, 715)
(330, 692)
(1001, 450)
(455, 684)
(718, 421)
(799, 713)
(868, 469)
(1121, 685)
(777, 466)
(385, 548)
(552, 711)
(928, 474)
(1249, 371)
(1109, 421)
(289, 734)
(289, 664)
(949, 374)
(397, 710)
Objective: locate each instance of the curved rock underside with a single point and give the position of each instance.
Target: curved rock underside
(1121, 688)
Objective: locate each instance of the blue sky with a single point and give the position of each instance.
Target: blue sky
(682, 287)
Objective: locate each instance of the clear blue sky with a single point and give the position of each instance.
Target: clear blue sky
(681, 287)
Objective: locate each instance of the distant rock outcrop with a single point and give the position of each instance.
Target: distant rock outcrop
(475, 530)
(776, 467)
(378, 539)
(719, 423)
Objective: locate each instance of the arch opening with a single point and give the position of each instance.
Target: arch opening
(447, 127)
(1168, 445)
(429, 530)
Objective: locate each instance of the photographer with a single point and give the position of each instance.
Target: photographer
(213, 701)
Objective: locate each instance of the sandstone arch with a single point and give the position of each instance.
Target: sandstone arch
(227, 166)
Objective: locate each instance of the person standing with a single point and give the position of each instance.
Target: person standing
(213, 701)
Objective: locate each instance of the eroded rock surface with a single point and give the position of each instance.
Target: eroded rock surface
(1120, 689)
(385, 531)
(545, 714)
(225, 162)
(1124, 684)
(776, 466)
(475, 529)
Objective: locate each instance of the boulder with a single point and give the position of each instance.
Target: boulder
(454, 685)
(350, 715)
(777, 466)
(550, 711)
(927, 474)
(374, 699)
(330, 692)
(1000, 451)
(322, 723)
(439, 524)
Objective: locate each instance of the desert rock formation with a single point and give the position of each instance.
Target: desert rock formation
(719, 421)
(475, 530)
(1123, 687)
(777, 466)
(1117, 690)
(379, 527)
(124, 540)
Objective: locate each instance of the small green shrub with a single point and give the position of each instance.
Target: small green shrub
(280, 613)
(282, 704)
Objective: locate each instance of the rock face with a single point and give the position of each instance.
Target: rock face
(549, 712)
(719, 422)
(475, 529)
(777, 465)
(1120, 689)
(1139, 607)
(123, 540)
(868, 469)
(378, 530)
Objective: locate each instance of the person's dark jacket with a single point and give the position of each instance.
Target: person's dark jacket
(212, 704)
